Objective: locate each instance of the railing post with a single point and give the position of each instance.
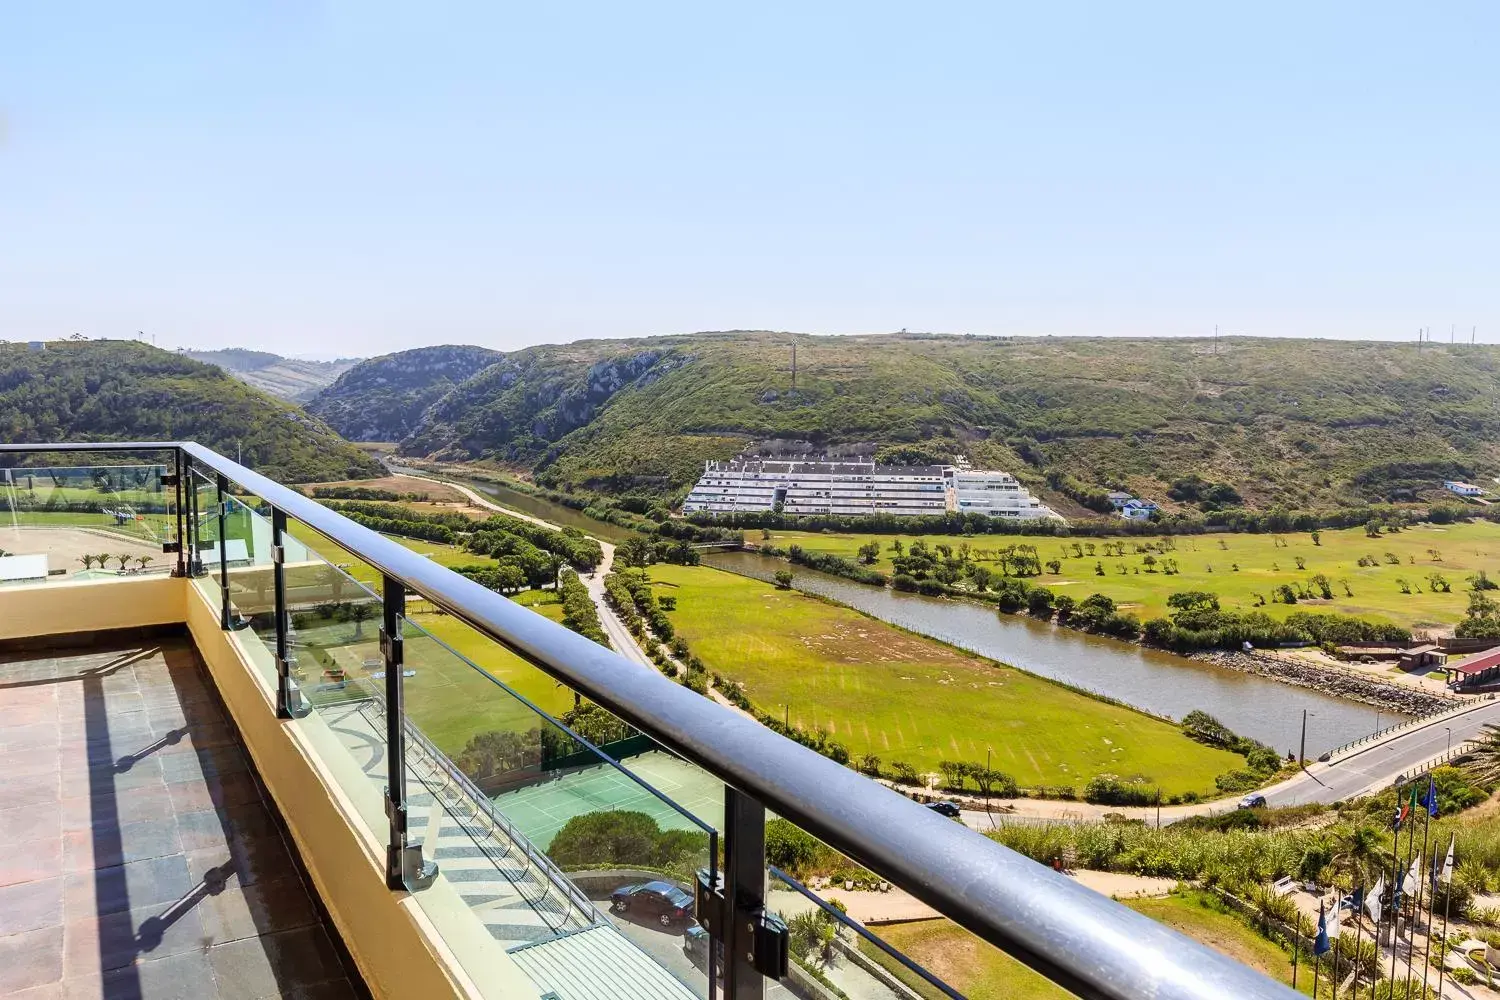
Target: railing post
(284, 695)
(404, 867)
(745, 890)
(221, 489)
(195, 557)
(177, 484)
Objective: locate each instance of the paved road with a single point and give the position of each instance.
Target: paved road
(1381, 763)
(614, 629)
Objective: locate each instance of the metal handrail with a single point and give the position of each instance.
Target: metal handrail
(1079, 939)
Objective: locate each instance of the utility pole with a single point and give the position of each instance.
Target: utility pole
(1302, 752)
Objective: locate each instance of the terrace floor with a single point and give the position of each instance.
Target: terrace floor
(141, 859)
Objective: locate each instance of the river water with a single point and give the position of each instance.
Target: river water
(1158, 682)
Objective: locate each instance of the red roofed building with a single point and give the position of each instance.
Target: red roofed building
(1475, 671)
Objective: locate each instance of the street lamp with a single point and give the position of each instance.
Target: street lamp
(1449, 731)
(988, 778)
(1302, 752)
(1377, 721)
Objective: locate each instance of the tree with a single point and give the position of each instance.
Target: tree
(783, 579)
(123, 559)
(1193, 600)
(981, 575)
(635, 552)
(1483, 763)
(811, 935)
(87, 559)
(1317, 538)
(869, 552)
(359, 614)
(1481, 620)
(142, 562)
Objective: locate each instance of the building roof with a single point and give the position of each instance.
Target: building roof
(13, 568)
(1120, 495)
(1426, 647)
(1478, 663)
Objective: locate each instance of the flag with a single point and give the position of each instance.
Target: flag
(1429, 797)
(1372, 901)
(1403, 811)
(1409, 883)
(1321, 945)
(1447, 877)
(1332, 929)
(1355, 900)
(1437, 869)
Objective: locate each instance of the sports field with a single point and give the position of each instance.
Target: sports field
(906, 698)
(542, 809)
(1238, 567)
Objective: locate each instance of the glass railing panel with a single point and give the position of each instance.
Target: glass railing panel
(252, 579)
(203, 534)
(87, 521)
(336, 671)
(541, 835)
(854, 933)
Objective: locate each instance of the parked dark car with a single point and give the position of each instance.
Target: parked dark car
(695, 946)
(1255, 801)
(949, 809)
(660, 901)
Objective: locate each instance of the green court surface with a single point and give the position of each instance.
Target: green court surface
(540, 810)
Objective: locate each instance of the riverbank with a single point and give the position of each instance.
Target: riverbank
(888, 694)
(1339, 682)
(1161, 683)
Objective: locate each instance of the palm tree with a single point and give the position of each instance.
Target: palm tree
(1483, 759)
(142, 562)
(87, 560)
(1360, 851)
(124, 560)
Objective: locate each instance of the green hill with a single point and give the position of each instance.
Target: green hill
(114, 390)
(1301, 423)
(383, 399)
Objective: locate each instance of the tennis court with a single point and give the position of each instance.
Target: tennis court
(539, 811)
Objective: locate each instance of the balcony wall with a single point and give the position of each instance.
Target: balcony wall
(393, 943)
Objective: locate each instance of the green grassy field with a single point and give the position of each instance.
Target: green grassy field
(1207, 562)
(880, 690)
(1202, 916)
(451, 702)
(983, 972)
(975, 968)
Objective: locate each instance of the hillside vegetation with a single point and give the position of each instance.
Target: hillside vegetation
(289, 378)
(1189, 423)
(104, 390)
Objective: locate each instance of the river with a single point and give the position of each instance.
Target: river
(1158, 682)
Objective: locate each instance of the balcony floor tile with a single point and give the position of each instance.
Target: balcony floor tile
(143, 859)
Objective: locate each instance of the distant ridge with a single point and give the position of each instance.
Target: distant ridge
(1190, 423)
(289, 378)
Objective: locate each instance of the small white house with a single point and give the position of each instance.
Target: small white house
(1462, 489)
(1138, 510)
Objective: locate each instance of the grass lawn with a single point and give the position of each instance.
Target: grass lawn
(1202, 916)
(452, 702)
(975, 968)
(903, 697)
(1207, 562)
(983, 972)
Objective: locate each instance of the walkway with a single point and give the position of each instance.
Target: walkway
(619, 636)
(142, 859)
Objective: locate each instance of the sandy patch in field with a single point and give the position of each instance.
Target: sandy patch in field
(64, 546)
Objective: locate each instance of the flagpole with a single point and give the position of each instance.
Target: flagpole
(1335, 970)
(1359, 925)
(1431, 913)
(1411, 837)
(1395, 888)
(1317, 966)
(1443, 965)
(1411, 938)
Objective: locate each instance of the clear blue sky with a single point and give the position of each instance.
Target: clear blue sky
(358, 177)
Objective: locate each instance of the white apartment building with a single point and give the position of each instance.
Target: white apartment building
(856, 487)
